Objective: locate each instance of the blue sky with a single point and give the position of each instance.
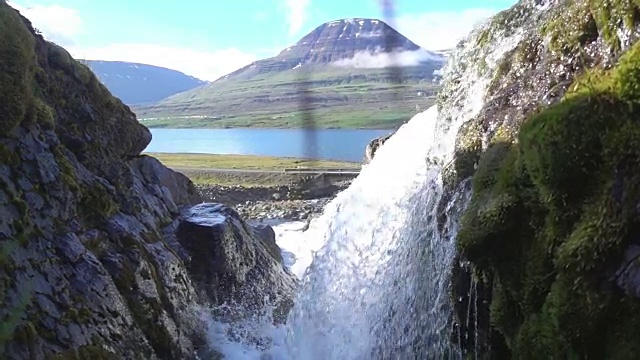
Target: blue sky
(210, 38)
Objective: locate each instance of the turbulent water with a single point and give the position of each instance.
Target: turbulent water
(377, 287)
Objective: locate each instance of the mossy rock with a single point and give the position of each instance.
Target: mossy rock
(17, 64)
(44, 114)
(67, 173)
(467, 152)
(551, 215)
(8, 156)
(60, 58)
(96, 205)
(576, 23)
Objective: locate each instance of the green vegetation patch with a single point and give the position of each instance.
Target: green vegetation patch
(357, 116)
(551, 215)
(96, 205)
(17, 64)
(577, 22)
(245, 162)
(337, 98)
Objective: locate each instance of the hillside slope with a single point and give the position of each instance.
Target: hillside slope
(352, 72)
(137, 83)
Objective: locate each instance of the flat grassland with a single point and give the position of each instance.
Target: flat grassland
(244, 170)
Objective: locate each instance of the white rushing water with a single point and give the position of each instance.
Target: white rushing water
(374, 266)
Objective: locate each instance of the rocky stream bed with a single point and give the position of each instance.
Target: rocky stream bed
(296, 201)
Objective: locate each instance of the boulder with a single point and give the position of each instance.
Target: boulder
(235, 263)
(317, 187)
(373, 146)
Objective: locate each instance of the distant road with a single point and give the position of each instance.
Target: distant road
(264, 171)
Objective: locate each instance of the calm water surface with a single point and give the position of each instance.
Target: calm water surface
(334, 144)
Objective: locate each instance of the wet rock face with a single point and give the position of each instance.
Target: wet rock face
(627, 276)
(85, 268)
(234, 262)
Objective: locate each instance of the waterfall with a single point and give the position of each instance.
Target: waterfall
(376, 286)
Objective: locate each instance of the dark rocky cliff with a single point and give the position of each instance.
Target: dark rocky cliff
(550, 237)
(91, 265)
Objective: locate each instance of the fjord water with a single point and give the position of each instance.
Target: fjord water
(331, 144)
(377, 266)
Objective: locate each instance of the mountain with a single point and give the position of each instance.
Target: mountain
(354, 72)
(139, 83)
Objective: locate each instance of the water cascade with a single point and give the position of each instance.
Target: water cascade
(377, 287)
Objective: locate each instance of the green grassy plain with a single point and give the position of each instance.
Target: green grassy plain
(245, 162)
(208, 169)
(336, 98)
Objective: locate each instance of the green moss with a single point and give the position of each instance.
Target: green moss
(551, 215)
(59, 57)
(44, 114)
(576, 23)
(484, 38)
(8, 157)
(145, 311)
(26, 334)
(523, 56)
(502, 70)
(67, 170)
(77, 314)
(85, 74)
(22, 227)
(96, 204)
(467, 153)
(17, 63)
(96, 246)
(12, 327)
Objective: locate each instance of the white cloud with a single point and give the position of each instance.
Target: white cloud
(57, 23)
(376, 60)
(440, 30)
(62, 25)
(297, 14)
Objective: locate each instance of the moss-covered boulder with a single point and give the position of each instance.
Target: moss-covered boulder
(555, 41)
(553, 216)
(522, 61)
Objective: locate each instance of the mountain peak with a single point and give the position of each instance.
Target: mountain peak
(344, 38)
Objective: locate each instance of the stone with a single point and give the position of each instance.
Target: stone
(234, 262)
(627, 276)
(373, 146)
